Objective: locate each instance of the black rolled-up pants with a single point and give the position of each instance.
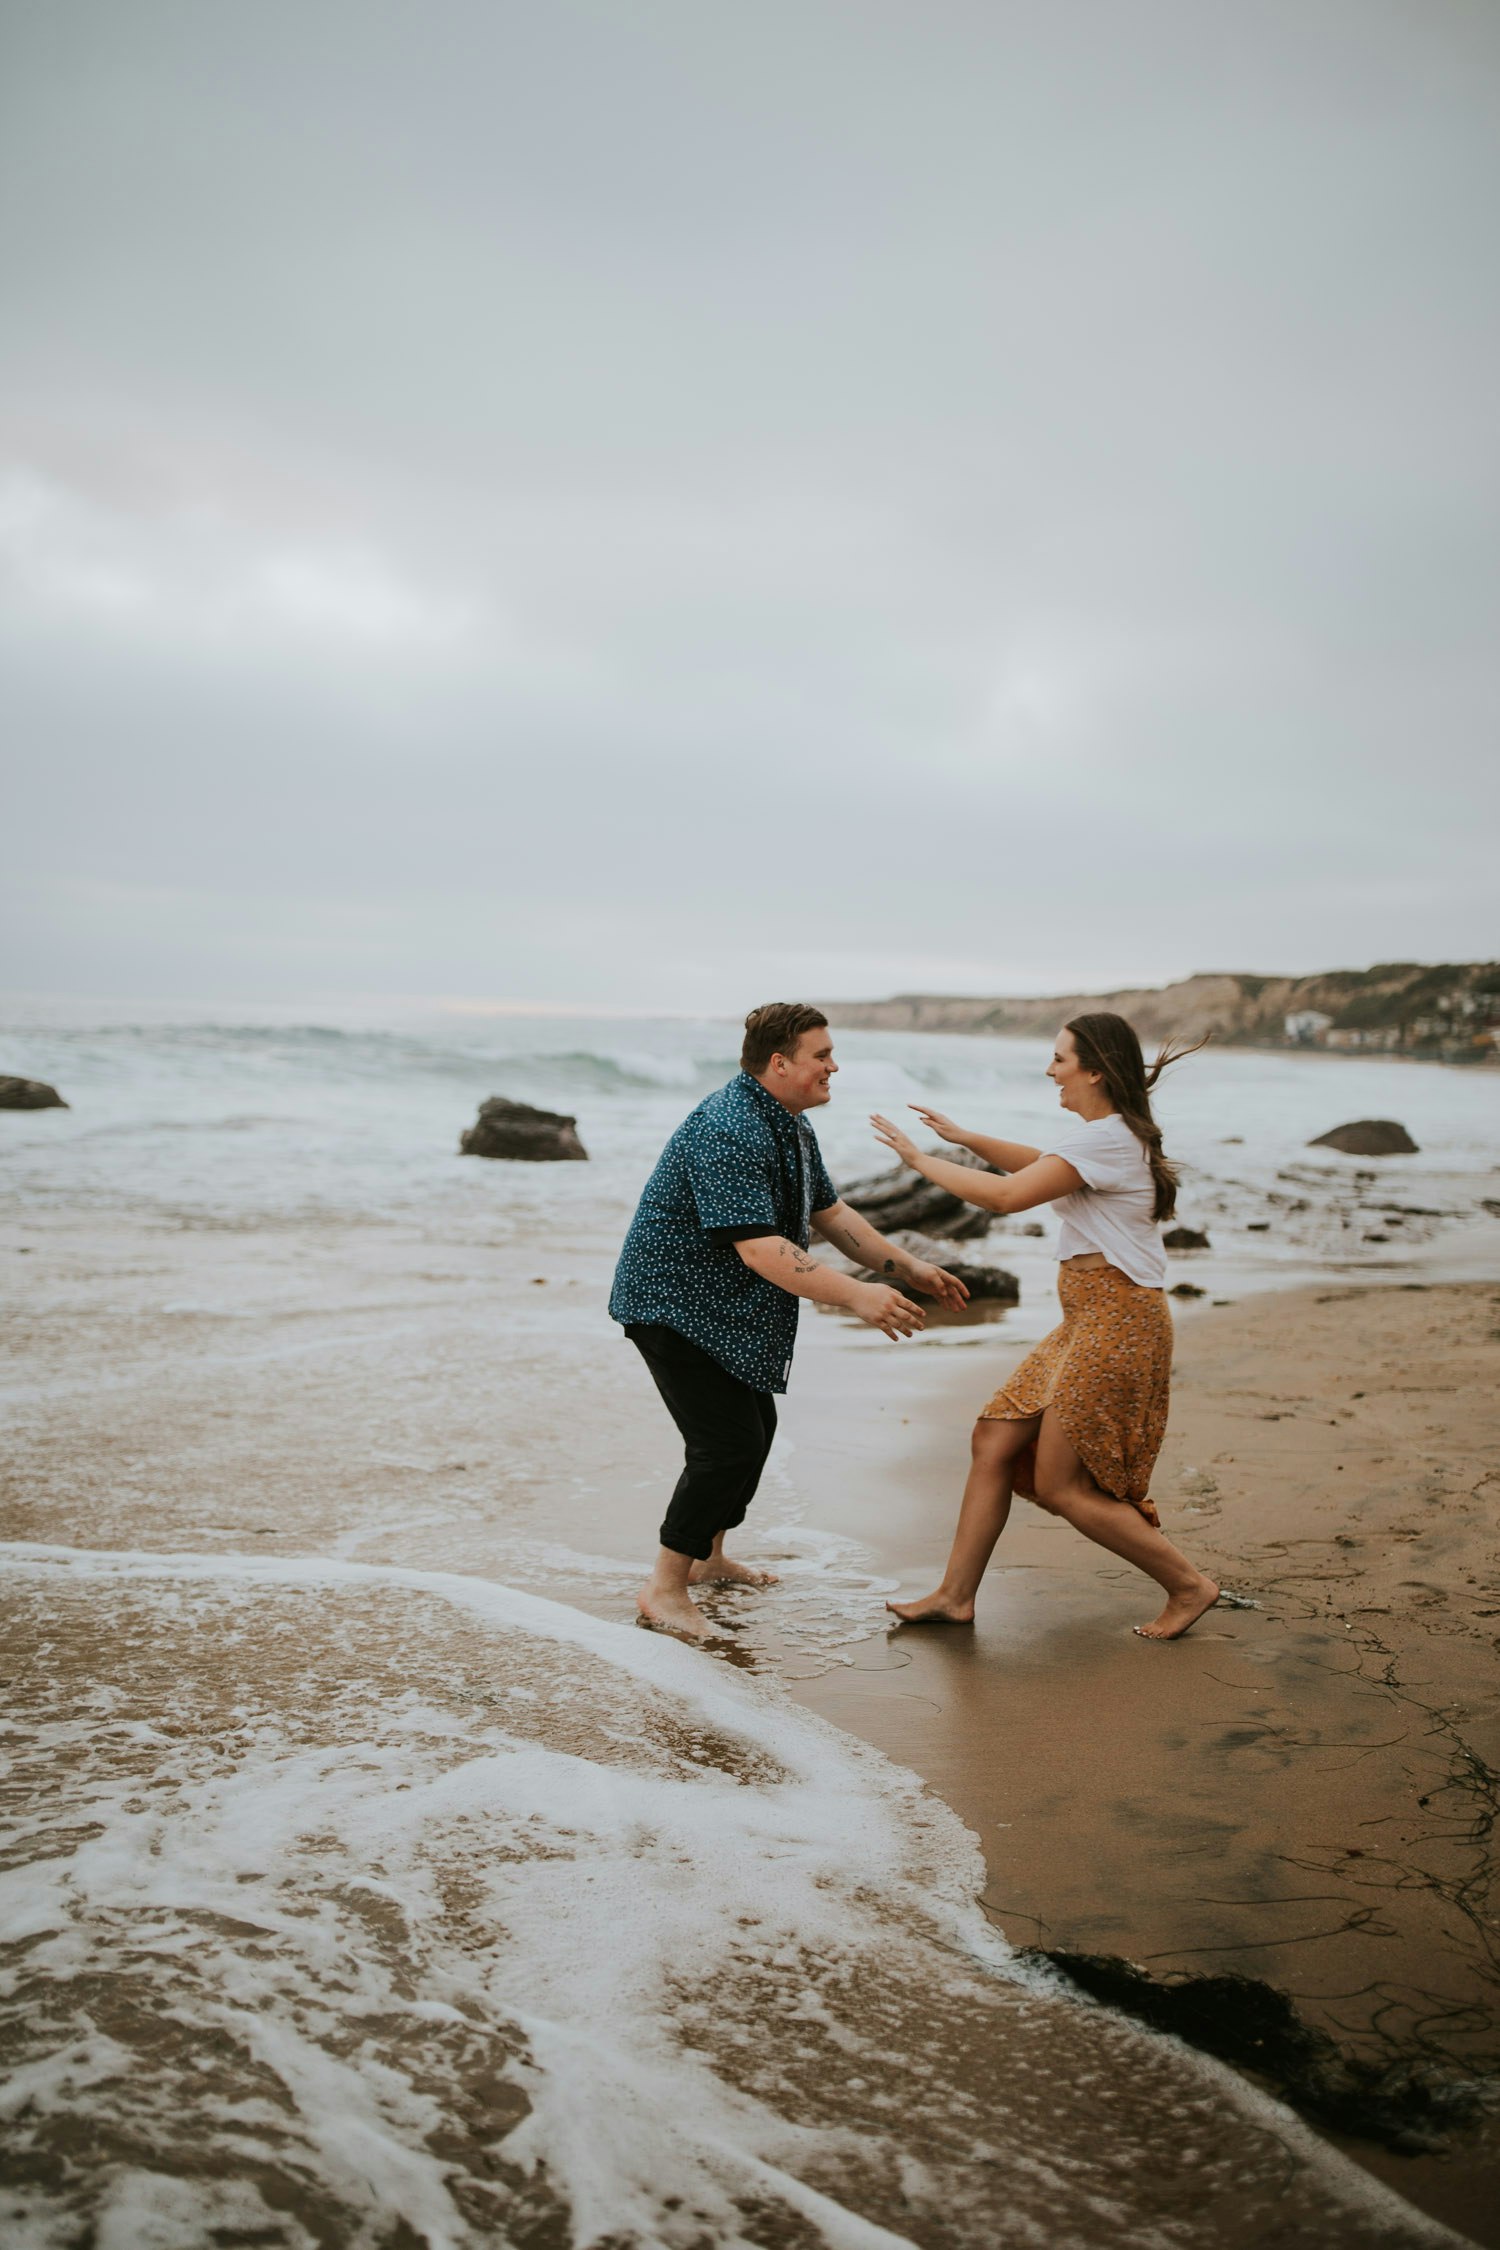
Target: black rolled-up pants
(726, 1428)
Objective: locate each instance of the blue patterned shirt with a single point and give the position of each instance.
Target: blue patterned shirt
(739, 1165)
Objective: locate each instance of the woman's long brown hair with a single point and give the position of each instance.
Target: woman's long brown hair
(1109, 1045)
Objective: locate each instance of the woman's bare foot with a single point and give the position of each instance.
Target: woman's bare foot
(933, 1609)
(1181, 1613)
(719, 1570)
(671, 1613)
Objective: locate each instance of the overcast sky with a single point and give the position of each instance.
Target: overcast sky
(665, 503)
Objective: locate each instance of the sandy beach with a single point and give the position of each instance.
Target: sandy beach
(341, 1786)
(356, 1891)
(1302, 1793)
(1298, 1793)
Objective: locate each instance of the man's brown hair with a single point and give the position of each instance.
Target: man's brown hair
(775, 1030)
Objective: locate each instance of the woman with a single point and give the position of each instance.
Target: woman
(1079, 1425)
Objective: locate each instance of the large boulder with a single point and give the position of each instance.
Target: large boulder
(985, 1284)
(530, 1136)
(29, 1093)
(1369, 1136)
(902, 1198)
(1185, 1238)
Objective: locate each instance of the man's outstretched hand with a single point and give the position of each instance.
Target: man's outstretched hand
(886, 1309)
(936, 1281)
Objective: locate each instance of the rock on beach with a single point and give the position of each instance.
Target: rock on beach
(29, 1093)
(526, 1135)
(1369, 1136)
(985, 1284)
(1185, 1238)
(900, 1199)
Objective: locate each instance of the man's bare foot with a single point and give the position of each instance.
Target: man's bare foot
(719, 1570)
(1181, 1613)
(671, 1613)
(933, 1609)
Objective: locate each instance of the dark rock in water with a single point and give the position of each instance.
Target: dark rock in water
(1186, 1289)
(1411, 2104)
(1185, 1238)
(1258, 1226)
(531, 1136)
(985, 1284)
(900, 1198)
(29, 1093)
(1369, 1136)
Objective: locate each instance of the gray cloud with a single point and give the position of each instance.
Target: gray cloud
(644, 505)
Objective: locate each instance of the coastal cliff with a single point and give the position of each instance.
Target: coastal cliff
(1448, 1011)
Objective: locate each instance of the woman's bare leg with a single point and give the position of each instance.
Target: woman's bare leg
(1064, 1485)
(981, 1519)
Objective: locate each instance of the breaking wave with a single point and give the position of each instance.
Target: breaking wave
(697, 1057)
(370, 1905)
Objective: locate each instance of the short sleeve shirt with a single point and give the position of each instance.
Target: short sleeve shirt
(1115, 1209)
(741, 1164)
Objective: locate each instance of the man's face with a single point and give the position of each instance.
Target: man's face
(801, 1080)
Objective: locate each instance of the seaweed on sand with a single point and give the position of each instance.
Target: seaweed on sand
(1411, 2104)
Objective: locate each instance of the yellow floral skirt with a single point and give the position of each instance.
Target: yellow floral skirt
(1106, 1374)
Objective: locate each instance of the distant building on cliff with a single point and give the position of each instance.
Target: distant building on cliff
(1380, 1039)
(1307, 1026)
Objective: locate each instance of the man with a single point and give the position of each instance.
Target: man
(708, 1282)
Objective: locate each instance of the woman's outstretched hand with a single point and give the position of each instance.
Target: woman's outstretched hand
(901, 1144)
(936, 1122)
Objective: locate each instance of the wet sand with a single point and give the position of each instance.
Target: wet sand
(353, 1392)
(1304, 1792)
(284, 1867)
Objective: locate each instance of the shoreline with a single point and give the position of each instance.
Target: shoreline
(1465, 1063)
(1306, 1797)
(338, 1392)
(1450, 1011)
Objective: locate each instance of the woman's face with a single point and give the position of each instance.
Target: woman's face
(1076, 1087)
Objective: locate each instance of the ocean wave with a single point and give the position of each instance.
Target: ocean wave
(332, 1055)
(631, 1069)
(151, 1128)
(358, 1902)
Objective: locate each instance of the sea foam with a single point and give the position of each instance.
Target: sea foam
(359, 1904)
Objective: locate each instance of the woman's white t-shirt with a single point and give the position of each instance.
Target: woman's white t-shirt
(1113, 1211)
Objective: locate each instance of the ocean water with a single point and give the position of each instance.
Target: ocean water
(368, 1878)
(242, 1122)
